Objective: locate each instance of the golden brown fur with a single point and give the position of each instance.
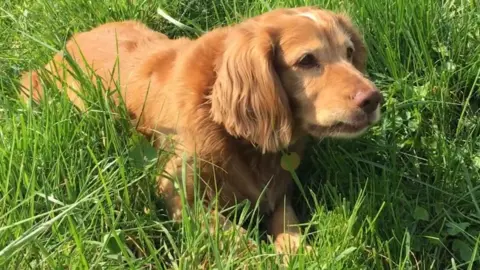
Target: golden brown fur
(236, 97)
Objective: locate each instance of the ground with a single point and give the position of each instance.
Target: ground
(76, 190)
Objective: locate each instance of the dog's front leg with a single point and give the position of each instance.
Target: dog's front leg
(283, 226)
(167, 189)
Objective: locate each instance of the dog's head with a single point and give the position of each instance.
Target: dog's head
(290, 72)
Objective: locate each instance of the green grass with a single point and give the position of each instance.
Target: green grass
(77, 190)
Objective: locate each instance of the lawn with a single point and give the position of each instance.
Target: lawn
(77, 190)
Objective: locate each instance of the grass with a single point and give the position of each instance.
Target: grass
(76, 190)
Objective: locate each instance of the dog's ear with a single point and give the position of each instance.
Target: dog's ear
(248, 98)
(359, 58)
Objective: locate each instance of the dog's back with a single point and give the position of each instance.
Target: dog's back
(118, 52)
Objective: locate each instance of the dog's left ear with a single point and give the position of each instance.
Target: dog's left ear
(248, 98)
(359, 58)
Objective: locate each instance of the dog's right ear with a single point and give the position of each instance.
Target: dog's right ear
(248, 98)
(359, 57)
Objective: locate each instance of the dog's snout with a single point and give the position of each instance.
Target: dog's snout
(369, 100)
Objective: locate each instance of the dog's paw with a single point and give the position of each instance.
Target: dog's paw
(288, 245)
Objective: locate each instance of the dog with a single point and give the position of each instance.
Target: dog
(235, 100)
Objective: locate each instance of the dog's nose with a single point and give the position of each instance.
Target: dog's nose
(369, 100)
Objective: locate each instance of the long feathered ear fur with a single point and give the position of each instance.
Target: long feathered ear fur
(248, 98)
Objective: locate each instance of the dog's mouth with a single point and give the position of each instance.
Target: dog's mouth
(338, 128)
(342, 128)
(350, 127)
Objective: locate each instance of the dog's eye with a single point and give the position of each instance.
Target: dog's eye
(350, 51)
(308, 61)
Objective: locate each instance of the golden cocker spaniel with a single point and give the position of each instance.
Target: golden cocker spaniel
(236, 98)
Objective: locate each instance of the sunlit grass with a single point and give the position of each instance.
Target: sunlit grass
(77, 189)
